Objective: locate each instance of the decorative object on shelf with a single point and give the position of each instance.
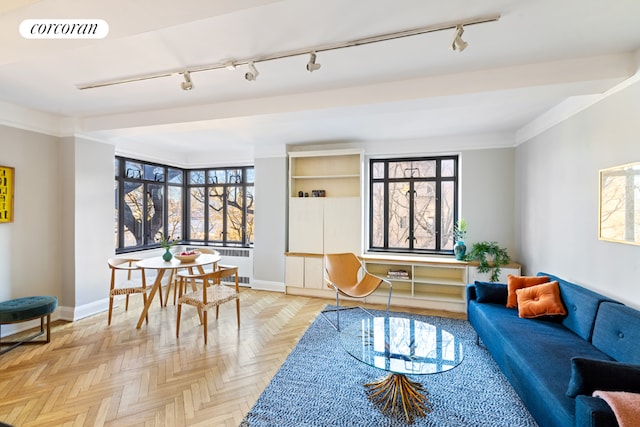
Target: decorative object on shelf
(490, 258)
(6, 193)
(459, 235)
(300, 193)
(167, 244)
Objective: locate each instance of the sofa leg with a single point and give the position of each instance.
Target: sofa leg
(477, 339)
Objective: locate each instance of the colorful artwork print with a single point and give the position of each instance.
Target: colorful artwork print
(6, 194)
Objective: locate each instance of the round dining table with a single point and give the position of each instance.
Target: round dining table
(159, 264)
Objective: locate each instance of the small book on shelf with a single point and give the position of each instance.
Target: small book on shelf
(398, 274)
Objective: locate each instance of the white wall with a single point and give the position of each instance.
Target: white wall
(557, 197)
(487, 197)
(94, 219)
(30, 249)
(270, 222)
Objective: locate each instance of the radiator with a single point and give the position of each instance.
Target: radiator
(239, 257)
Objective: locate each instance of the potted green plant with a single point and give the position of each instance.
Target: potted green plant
(490, 258)
(459, 235)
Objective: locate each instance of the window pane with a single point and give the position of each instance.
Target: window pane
(196, 177)
(175, 176)
(155, 210)
(235, 208)
(217, 176)
(216, 208)
(377, 215)
(424, 169)
(175, 212)
(234, 176)
(398, 215)
(250, 175)
(399, 169)
(154, 173)
(448, 168)
(378, 170)
(133, 170)
(447, 195)
(424, 215)
(412, 169)
(196, 213)
(250, 214)
(133, 214)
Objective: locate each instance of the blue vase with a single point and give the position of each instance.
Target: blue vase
(460, 249)
(167, 255)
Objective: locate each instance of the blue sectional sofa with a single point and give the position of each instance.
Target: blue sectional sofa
(555, 363)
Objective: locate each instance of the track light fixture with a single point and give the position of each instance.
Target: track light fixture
(312, 65)
(459, 44)
(252, 74)
(187, 84)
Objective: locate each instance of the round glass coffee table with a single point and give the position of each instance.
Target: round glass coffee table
(401, 347)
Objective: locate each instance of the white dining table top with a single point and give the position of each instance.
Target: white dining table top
(158, 263)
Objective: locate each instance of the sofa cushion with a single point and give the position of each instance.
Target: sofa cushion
(490, 292)
(617, 332)
(519, 282)
(540, 300)
(589, 375)
(581, 305)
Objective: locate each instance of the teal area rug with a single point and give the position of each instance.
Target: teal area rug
(320, 384)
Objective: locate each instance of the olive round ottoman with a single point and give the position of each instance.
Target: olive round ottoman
(24, 309)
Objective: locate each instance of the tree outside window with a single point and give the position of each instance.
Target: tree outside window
(152, 201)
(413, 204)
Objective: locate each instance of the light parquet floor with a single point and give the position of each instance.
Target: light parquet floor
(94, 375)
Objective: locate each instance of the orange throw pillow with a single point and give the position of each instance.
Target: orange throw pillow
(518, 282)
(540, 300)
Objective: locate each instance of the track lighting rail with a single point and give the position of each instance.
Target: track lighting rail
(457, 25)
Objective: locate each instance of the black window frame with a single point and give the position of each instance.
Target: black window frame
(242, 181)
(438, 179)
(148, 241)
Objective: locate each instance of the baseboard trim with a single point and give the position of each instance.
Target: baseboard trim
(265, 285)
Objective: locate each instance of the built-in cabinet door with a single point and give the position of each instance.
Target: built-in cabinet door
(313, 273)
(294, 271)
(342, 225)
(306, 229)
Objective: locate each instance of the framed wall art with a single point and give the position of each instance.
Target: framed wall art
(6, 193)
(620, 204)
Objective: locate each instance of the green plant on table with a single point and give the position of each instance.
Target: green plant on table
(460, 230)
(490, 258)
(167, 243)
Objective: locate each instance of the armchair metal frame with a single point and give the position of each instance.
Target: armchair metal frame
(347, 275)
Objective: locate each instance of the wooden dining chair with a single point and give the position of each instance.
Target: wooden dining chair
(213, 293)
(174, 280)
(129, 286)
(347, 276)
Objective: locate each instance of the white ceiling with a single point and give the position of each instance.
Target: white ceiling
(538, 55)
